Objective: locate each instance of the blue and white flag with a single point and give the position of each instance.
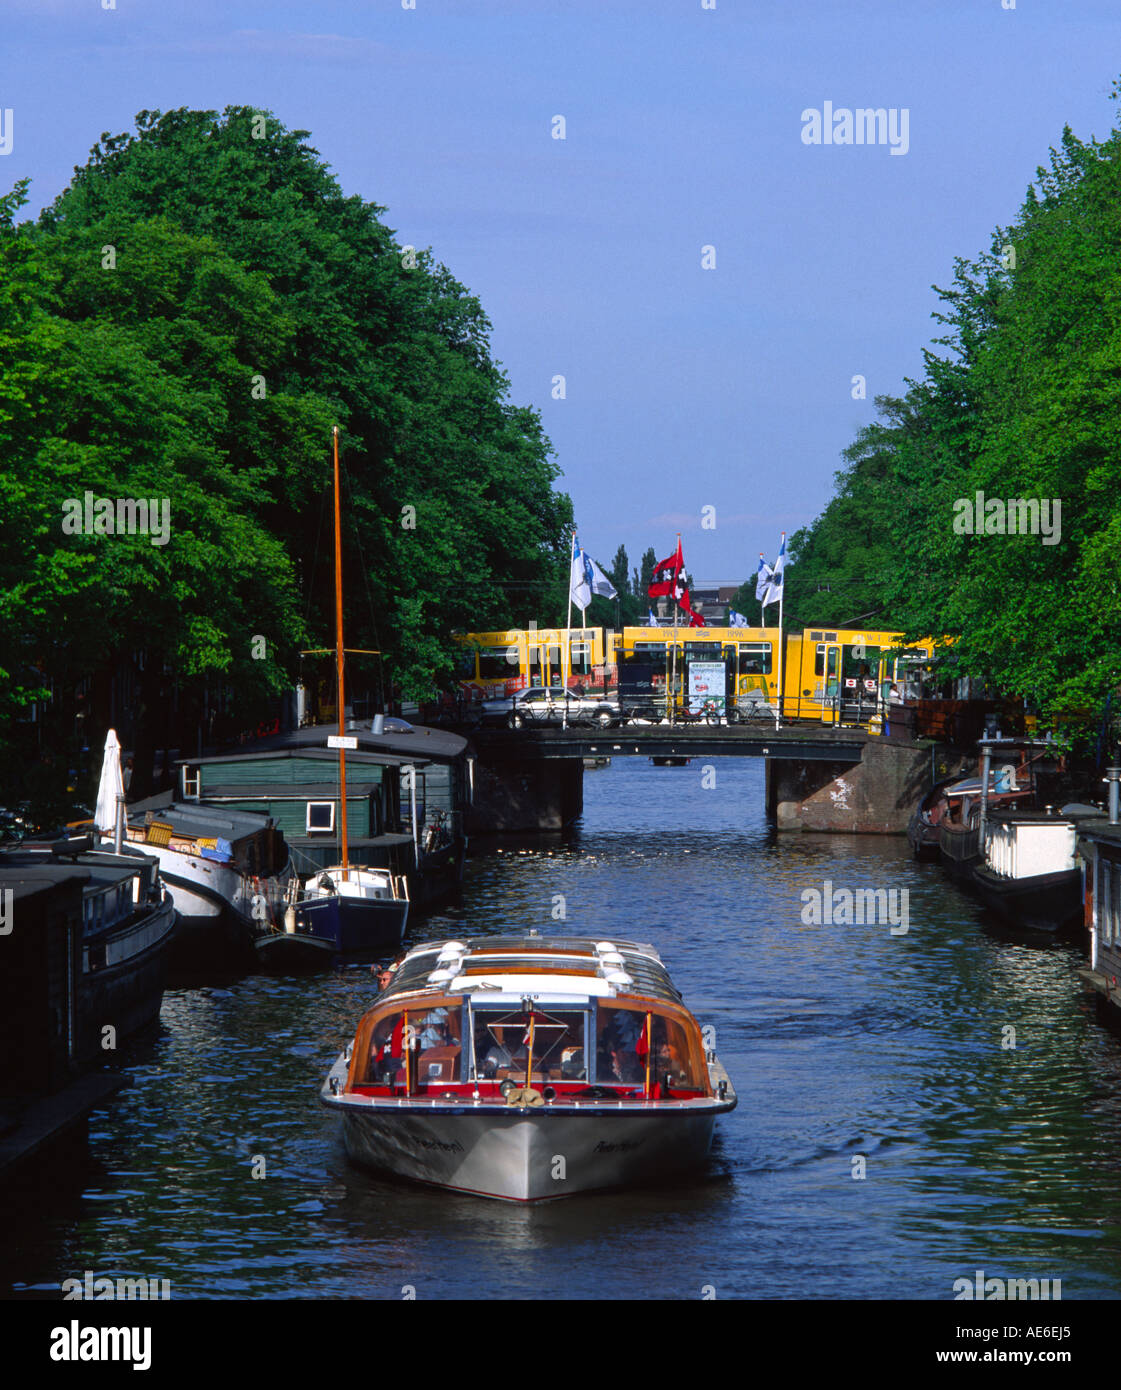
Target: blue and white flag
(736, 619)
(774, 585)
(762, 578)
(651, 621)
(588, 579)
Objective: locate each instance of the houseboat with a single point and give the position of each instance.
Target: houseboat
(406, 797)
(1032, 873)
(1008, 780)
(128, 920)
(228, 872)
(528, 1069)
(1099, 844)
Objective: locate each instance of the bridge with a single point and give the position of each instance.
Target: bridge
(806, 743)
(817, 777)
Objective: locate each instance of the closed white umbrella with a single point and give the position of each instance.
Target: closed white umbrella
(110, 787)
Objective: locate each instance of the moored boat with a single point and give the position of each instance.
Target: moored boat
(344, 910)
(128, 920)
(1032, 874)
(528, 1069)
(228, 872)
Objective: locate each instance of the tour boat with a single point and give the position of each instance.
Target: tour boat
(528, 1069)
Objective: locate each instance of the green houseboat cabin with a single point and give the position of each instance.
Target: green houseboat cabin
(406, 797)
(1100, 848)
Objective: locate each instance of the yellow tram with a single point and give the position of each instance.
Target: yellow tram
(830, 675)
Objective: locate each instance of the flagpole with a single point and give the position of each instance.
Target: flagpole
(781, 597)
(762, 605)
(566, 664)
(673, 690)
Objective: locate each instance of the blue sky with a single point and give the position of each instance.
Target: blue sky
(685, 387)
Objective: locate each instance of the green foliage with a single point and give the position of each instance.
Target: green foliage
(1019, 400)
(186, 321)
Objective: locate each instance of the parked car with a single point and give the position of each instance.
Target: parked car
(546, 704)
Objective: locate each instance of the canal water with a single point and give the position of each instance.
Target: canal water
(854, 1049)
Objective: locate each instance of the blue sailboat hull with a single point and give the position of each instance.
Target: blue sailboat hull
(355, 926)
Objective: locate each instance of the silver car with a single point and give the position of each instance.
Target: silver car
(546, 704)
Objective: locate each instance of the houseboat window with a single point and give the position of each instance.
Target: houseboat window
(621, 1049)
(755, 658)
(191, 783)
(320, 817)
(501, 1041)
(1113, 916)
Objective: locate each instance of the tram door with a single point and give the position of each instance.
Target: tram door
(860, 686)
(827, 679)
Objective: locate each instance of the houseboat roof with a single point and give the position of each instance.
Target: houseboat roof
(1074, 812)
(516, 965)
(1100, 828)
(422, 744)
(193, 818)
(43, 865)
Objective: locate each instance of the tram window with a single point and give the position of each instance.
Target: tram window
(494, 663)
(465, 665)
(755, 658)
(651, 653)
(702, 651)
(581, 658)
(860, 661)
(535, 672)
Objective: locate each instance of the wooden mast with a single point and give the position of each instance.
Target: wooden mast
(339, 660)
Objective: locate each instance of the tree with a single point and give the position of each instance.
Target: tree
(186, 322)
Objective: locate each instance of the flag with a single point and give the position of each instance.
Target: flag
(762, 578)
(681, 598)
(774, 586)
(587, 579)
(736, 619)
(665, 574)
(599, 581)
(651, 621)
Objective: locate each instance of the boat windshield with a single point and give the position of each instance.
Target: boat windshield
(503, 1039)
(622, 1049)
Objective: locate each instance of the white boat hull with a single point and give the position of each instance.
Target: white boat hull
(531, 1154)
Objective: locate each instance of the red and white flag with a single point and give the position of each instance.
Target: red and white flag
(664, 578)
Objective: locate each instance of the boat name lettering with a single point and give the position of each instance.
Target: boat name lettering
(455, 1147)
(620, 1146)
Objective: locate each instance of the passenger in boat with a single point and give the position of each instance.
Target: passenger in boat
(618, 1058)
(503, 1051)
(387, 1046)
(436, 1030)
